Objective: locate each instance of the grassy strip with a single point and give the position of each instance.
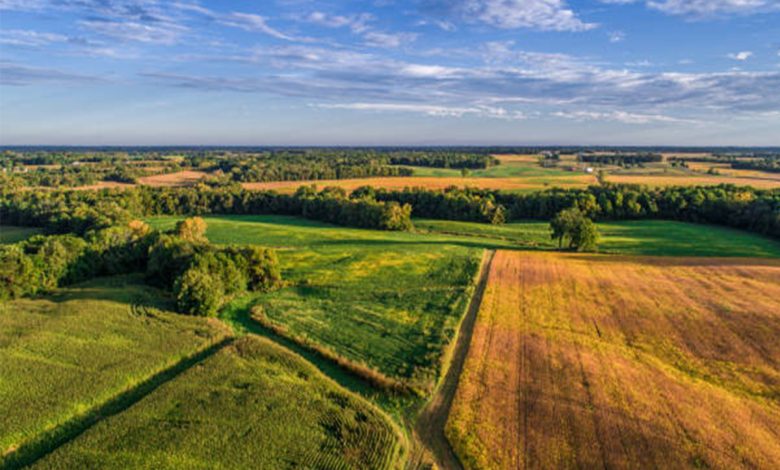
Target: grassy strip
(373, 377)
(42, 445)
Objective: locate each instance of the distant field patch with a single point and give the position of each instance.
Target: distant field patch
(703, 180)
(590, 361)
(11, 234)
(180, 178)
(429, 182)
(251, 405)
(63, 354)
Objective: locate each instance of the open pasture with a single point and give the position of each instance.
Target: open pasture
(635, 237)
(251, 405)
(63, 354)
(388, 301)
(11, 234)
(593, 361)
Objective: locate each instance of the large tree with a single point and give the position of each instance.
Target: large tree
(573, 227)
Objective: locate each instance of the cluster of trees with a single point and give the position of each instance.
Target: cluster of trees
(574, 229)
(449, 204)
(200, 275)
(621, 159)
(771, 165)
(203, 276)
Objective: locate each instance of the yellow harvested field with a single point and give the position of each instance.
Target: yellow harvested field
(510, 184)
(704, 180)
(589, 361)
(527, 158)
(181, 178)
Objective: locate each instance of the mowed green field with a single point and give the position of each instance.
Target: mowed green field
(390, 301)
(11, 234)
(639, 237)
(251, 405)
(64, 354)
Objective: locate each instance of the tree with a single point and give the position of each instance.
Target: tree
(192, 229)
(572, 226)
(198, 292)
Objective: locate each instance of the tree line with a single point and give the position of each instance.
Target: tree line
(81, 211)
(621, 159)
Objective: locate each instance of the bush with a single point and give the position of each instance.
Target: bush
(198, 292)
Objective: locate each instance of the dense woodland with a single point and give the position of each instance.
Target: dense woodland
(771, 165)
(72, 169)
(620, 158)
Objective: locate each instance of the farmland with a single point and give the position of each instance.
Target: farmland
(405, 292)
(251, 405)
(63, 354)
(591, 361)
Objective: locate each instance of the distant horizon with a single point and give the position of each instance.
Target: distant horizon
(690, 148)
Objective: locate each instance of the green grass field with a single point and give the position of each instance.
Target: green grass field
(251, 405)
(11, 234)
(63, 354)
(640, 237)
(387, 300)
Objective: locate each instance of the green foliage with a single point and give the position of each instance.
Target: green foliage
(198, 292)
(574, 228)
(251, 405)
(192, 230)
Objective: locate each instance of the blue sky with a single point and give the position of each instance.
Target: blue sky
(390, 72)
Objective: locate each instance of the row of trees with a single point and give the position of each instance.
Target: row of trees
(621, 159)
(200, 275)
(81, 211)
(771, 165)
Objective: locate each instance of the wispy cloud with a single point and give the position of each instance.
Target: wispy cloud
(706, 8)
(20, 75)
(546, 15)
(430, 110)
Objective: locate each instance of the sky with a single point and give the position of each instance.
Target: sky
(390, 72)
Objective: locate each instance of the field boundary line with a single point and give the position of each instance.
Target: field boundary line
(47, 442)
(433, 418)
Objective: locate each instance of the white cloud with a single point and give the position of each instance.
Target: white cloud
(617, 116)
(616, 36)
(740, 56)
(706, 8)
(430, 110)
(546, 15)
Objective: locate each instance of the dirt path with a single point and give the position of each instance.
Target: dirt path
(430, 424)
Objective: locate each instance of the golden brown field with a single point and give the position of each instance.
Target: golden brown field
(432, 182)
(703, 180)
(181, 178)
(617, 362)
